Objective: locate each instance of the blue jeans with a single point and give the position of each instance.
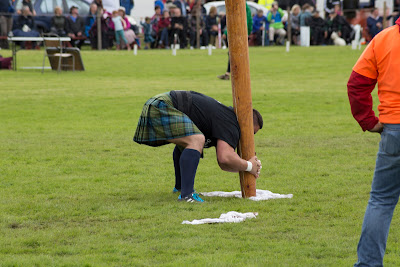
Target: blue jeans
(385, 191)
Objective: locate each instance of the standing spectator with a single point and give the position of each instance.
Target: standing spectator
(379, 63)
(295, 23)
(91, 18)
(58, 22)
(276, 27)
(128, 5)
(317, 27)
(183, 6)
(305, 14)
(374, 23)
(164, 26)
(98, 3)
(148, 38)
(128, 32)
(179, 26)
(6, 20)
(258, 27)
(193, 29)
(212, 25)
(25, 26)
(329, 6)
(28, 3)
(119, 25)
(75, 27)
(266, 3)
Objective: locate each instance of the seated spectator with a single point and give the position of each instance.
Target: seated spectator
(164, 26)
(75, 27)
(148, 38)
(119, 25)
(295, 23)
(107, 34)
(374, 23)
(276, 27)
(193, 29)
(91, 18)
(258, 26)
(212, 25)
(183, 6)
(317, 27)
(179, 26)
(25, 26)
(58, 22)
(337, 23)
(305, 14)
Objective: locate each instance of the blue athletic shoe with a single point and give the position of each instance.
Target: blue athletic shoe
(192, 198)
(175, 190)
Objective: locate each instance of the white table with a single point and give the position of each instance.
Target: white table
(13, 40)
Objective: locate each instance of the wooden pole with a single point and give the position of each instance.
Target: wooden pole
(98, 21)
(384, 16)
(240, 69)
(289, 24)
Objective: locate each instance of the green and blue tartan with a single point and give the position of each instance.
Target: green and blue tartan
(161, 121)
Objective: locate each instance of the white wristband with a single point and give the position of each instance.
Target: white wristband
(249, 166)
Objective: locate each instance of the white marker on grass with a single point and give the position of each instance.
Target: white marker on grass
(135, 49)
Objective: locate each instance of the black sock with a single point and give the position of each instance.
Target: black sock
(188, 162)
(176, 155)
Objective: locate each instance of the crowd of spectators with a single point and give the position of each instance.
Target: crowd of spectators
(182, 21)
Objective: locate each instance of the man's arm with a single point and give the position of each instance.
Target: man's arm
(229, 160)
(359, 90)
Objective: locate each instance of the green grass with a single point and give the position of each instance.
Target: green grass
(75, 190)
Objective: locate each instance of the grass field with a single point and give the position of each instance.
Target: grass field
(75, 190)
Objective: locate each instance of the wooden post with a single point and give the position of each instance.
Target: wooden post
(98, 21)
(242, 103)
(384, 24)
(289, 24)
(198, 14)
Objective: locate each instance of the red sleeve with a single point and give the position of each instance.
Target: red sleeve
(359, 89)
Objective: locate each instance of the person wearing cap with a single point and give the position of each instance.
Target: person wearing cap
(379, 63)
(75, 26)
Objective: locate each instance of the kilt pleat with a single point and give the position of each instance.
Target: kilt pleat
(161, 121)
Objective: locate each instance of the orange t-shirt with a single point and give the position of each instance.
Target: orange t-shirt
(381, 61)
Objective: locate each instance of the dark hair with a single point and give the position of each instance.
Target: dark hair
(157, 7)
(257, 118)
(72, 8)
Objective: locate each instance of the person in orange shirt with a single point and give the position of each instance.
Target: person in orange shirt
(379, 63)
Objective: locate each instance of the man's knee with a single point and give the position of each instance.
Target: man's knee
(197, 140)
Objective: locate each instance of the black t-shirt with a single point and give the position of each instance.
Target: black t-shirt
(214, 120)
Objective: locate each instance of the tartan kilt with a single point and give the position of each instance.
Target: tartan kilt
(161, 121)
